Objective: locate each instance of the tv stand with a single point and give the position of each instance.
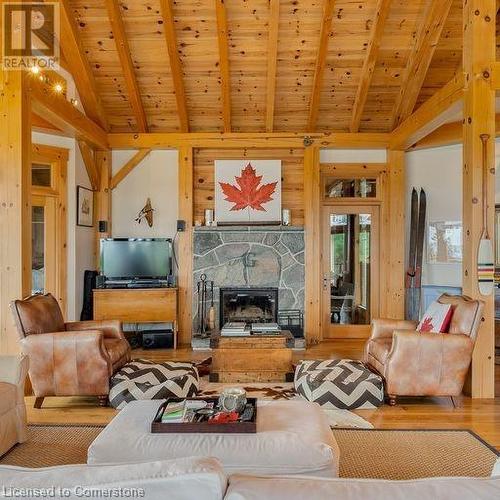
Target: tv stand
(137, 305)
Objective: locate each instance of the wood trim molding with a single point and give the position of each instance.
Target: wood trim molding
(225, 79)
(103, 203)
(381, 14)
(324, 37)
(127, 64)
(175, 63)
(128, 167)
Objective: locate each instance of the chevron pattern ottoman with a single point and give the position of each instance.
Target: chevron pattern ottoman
(143, 379)
(339, 384)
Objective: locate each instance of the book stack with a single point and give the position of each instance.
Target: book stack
(234, 329)
(182, 411)
(265, 328)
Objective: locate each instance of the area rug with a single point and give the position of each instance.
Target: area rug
(385, 454)
(285, 390)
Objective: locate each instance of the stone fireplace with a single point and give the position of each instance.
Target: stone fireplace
(246, 257)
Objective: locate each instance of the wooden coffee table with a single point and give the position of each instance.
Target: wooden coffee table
(254, 358)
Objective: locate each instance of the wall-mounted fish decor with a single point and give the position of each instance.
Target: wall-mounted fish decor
(146, 213)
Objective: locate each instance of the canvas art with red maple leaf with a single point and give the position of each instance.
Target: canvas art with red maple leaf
(249, 191)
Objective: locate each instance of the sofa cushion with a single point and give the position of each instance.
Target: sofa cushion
(294, 488)
(7, 397)
(185, 479)
(293, 437)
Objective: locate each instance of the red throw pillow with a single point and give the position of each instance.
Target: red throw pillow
(436, 319)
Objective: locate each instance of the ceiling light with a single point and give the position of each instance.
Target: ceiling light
(74, 102)
(35, 70)
(58, 88)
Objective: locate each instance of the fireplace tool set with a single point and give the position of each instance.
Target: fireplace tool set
(206, 309)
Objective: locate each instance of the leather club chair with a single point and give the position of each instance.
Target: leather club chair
(68, 359)
(425, 364)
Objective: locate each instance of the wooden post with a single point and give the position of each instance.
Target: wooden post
(312, 223)
(185, 247)
(479, 118)
(395, 200)
(15, 202)
(103, 197)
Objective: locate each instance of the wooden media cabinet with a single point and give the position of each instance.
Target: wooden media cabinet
(137, 305)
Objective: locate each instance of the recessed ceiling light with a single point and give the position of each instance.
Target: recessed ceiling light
(58, 87)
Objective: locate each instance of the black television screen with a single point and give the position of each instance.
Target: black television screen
(136, 258)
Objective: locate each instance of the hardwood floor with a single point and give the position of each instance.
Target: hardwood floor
(480, 416)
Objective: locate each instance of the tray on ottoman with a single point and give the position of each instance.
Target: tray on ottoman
(157, 426)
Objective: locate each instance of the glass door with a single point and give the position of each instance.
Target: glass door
(43, 245)
(350, 263)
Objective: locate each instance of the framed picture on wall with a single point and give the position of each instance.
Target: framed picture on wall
(248, 191)
(84, 207)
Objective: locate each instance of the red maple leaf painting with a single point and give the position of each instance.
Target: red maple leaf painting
(427, 325)
(248, 194)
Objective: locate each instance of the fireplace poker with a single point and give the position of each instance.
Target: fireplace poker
(199, 306)
(211, 312)
(203, 279)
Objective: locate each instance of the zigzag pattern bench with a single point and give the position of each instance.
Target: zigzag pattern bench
(142, 379)
(339, 384)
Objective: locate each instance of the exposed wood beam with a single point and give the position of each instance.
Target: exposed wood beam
(79, 67)
(39, 124)
(420, 58)
(272, 57)
(478, 179)
(319, 70)
(55, 108)
(127, 64)
(248, 140)
(448, 134)
(90, 164)
(15, 208)
(103, 202)
(225, 82)
(381, 13)
(495, 75)
(185, 243)
(175, 63)
(128, 167)
(436, 111)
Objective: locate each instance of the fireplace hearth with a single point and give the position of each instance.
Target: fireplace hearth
(249, 305)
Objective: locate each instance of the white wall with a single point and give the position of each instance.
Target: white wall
(353, 155)
(80, 248)
(155, 178)
(439, 172)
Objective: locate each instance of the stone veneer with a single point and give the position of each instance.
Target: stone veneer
(250, 256)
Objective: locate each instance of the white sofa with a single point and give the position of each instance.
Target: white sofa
(204, 479)
(13, 427)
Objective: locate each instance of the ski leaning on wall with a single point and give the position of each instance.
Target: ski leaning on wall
(416, 251)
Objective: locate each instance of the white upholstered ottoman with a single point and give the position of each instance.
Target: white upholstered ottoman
(293, 437)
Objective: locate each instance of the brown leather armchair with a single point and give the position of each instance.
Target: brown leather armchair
(68, 359)
(425, 364)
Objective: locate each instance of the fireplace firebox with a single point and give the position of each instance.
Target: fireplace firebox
(251, 305)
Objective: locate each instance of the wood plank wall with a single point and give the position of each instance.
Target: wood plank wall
(292, 172)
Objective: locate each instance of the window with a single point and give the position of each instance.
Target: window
(351, 188)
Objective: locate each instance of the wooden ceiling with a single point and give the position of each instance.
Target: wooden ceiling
(260, 65)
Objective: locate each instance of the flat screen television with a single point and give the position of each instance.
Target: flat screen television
(136, 258)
